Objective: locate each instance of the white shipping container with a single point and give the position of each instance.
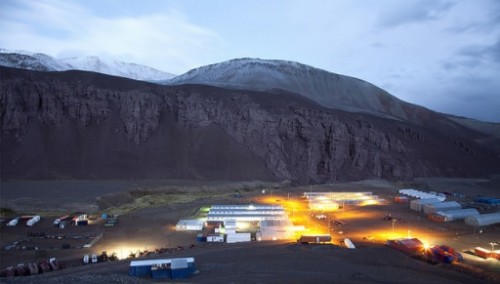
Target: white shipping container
(238, 238)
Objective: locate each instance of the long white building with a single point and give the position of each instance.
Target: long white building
(246, 213)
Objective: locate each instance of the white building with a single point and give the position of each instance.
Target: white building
(190, 225)
(246, 213)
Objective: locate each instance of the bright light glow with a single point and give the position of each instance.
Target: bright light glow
(369, 202)
(242, 225)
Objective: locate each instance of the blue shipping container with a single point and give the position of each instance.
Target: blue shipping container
(140, 271)
(183, 272)
(161, 273)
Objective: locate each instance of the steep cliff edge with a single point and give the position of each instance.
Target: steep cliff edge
(86, 125)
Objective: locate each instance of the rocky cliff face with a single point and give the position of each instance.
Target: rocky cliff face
(86, 125)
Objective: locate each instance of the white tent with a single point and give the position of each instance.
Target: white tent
(483, 219)
(458, 214)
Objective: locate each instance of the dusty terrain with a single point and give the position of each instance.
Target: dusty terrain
(148, 214)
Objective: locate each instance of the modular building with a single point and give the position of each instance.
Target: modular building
(190, 225)
(173, 268)
(246, 213)
(418, 204)
(483, 219)
(441, 206)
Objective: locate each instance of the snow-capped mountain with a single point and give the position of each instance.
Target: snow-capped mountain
(326, 88)
(43, 62)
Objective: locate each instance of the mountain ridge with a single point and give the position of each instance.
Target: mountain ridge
(44, 62)
(77, 124)
(326, 88)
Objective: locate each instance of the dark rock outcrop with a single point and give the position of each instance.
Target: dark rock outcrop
(85, 125)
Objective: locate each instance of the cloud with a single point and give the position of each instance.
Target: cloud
(485, 53)
(436, 53)
(405, 12)
(165, 39)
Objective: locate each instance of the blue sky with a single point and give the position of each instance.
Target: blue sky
(442, 54)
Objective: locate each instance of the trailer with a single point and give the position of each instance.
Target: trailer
(13, 222)
(33, 220)
(439, 254)
(61, 219)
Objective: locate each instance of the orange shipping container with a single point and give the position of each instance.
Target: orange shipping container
(482, 252)
(496, 254)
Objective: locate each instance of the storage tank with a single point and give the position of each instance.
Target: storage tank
(483, 219)
(452, 215)
(441, 206)
(418, 204)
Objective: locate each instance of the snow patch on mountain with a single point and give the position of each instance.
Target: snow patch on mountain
(43, 62)
(326, 88)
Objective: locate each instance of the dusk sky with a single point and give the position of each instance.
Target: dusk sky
(444, 55)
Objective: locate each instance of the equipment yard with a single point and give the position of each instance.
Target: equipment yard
(149, 232)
